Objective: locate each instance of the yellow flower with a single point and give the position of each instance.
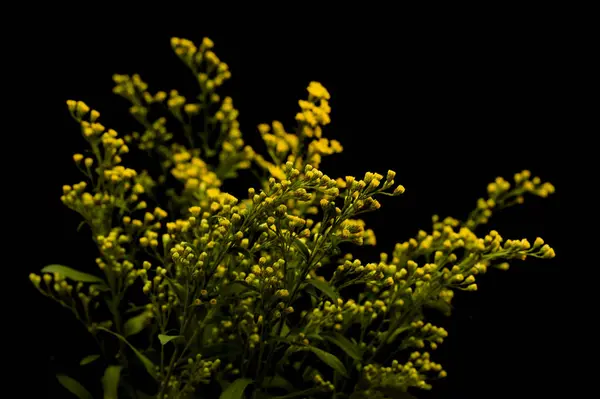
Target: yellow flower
(317, 90)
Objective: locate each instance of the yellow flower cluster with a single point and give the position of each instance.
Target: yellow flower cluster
(328, 315)
(197, 370)
(281, 146)
(134, 89)
(244, 274)
(233, 155)
(116, 187)
(286, 147)
(397, 376)
(502, 194)
(57, 287)
(354, 231)
(193, 172)
(202, 58)
(323, 384)
(315, 112)
(424, 332)
(267, 276)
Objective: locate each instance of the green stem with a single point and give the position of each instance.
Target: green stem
(165, 382)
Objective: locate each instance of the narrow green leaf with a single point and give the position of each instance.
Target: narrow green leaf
(137, 323)
(324, 287)
(298, 243)
(346, 345)
(74, 387)
(88, 359)
(236, 389)
(80, 225)
(110, 382)
(148, 365)
(314, 337)
(277, 381)
(397, 332)
(285, 329)
(329, 359)
(72, 274)
(164, 339)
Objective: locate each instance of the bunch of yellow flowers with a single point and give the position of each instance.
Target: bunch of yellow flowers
(254, 297)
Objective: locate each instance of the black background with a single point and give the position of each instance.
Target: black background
(448, 106)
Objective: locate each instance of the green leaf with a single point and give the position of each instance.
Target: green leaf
(148, 365)
(397, 332)
(329, 359)
(314, 337)
(298, 243)
(110, 382)
(324, 287)
(346, 345)
(137, 323)
(88, 359)
(74, 387)
(285, 329)
(164, 339)
(236, 389)
(72, 274)
(277, 381)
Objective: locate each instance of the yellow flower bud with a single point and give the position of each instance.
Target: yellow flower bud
(94, 115)
(399, 190)
(81, 108)
(207, 43)
(191, 109)
(503, 266)
(71, 105)
(148, 217)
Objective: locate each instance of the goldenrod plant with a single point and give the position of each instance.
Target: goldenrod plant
(201, 294)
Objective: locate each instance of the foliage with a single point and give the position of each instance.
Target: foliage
(254, 297)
